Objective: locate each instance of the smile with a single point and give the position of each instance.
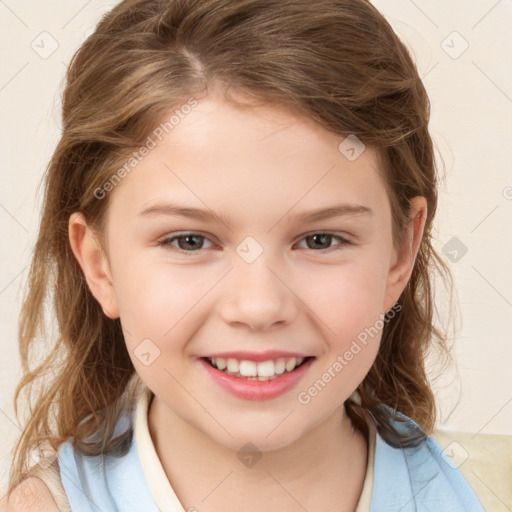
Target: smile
(262, 371)
(242, 378)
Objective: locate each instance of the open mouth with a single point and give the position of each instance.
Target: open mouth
(250, 370)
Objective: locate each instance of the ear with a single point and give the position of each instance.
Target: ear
(403, 261)
(93, 262)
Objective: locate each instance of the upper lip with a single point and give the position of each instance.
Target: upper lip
(257, 356)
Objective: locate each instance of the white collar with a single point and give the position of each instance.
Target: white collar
(157, 480)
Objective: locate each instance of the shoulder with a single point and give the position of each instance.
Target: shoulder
(420, 474)
(31, 495)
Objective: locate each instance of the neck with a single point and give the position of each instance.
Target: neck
(323, 469)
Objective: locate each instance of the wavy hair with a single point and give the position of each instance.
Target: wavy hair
(338, 62)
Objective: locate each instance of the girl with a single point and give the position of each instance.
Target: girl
(237, 237)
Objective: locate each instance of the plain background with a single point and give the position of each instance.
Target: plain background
(463, 52)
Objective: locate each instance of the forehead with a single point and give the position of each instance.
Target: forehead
(260, 157)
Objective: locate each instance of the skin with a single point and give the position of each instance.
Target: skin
(257, 168)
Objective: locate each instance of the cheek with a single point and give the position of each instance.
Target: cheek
(349, 298)
(158, 308)
(156, 299)
(350, 308)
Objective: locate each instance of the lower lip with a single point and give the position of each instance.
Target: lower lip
(256, 389)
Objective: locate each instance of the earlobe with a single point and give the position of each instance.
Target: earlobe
(403, 264)
(93, 262)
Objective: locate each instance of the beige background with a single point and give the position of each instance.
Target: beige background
(463, 52)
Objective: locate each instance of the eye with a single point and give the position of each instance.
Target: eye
(324, 239)
(185, 241)
(193, 242)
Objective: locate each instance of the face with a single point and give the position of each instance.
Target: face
(254, 273)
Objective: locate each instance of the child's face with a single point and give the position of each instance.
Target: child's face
(254, 283)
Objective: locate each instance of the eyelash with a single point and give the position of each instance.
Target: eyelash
(166, 243)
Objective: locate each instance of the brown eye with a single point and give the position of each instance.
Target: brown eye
(188, 242)
(322, 241)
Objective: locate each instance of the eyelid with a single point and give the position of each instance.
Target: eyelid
(178, 234)
(344, 240)
(344, 236)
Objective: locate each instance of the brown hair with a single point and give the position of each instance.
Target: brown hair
(336, 61)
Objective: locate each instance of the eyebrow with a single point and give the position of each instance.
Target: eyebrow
(307, 217)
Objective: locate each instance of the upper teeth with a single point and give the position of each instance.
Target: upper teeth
(252, 369)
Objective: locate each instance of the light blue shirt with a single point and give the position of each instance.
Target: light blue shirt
(413, 479)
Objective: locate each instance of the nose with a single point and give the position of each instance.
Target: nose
(256, 295)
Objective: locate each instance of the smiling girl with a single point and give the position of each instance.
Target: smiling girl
(236, 236)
